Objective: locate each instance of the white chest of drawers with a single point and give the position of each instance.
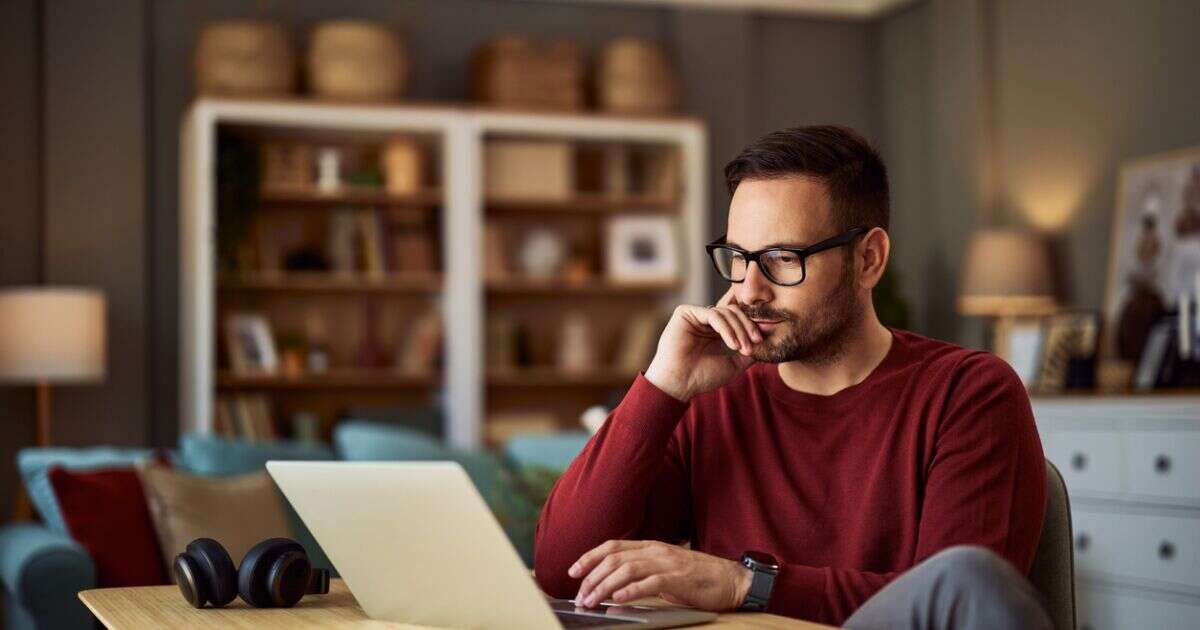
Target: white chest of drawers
(1132, 467)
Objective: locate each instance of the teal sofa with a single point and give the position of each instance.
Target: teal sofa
(42, 568)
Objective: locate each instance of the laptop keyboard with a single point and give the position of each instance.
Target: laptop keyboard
(572, 620)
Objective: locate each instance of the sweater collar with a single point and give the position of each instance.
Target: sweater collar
(847, 395)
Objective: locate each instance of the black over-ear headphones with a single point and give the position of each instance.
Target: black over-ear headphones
(275, 573)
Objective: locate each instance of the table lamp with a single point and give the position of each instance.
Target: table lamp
(1006, 274)
(51, 335)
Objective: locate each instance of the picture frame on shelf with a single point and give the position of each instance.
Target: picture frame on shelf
(250, 344)
(642, 249)
(1069, 335)
(1155, 248)
(1019, 341)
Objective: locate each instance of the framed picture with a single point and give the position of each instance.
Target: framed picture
(642, 249)
(251, 345)
(1155, 249)
(1071, 334)
(1018, 340)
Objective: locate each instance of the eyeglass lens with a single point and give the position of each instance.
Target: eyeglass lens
(779, 265)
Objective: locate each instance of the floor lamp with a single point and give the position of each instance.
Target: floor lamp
(50, 335)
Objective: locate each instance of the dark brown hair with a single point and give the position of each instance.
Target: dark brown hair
(838, 156)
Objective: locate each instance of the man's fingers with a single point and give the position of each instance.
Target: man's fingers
(649, 586)
(751, 328)
(602, 570)
(629, 571)
(717, 322)
(735, 325)
(588, 561)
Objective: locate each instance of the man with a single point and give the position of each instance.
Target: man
(821, 465)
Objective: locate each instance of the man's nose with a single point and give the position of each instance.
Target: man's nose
(755, 288)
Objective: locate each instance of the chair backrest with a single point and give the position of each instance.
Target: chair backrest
(1053, 571)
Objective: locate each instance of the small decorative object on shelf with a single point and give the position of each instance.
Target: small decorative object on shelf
(593, 418)
(642, 249)
(244, 58)
(329, 170)
(401, 165)
(542, 254)
(356, 60)
(287, 166)
(577, 352)
(317, 360)
(633, 76)
(250, 344)
(517, 71)
(523, 170)
(292, 347)
(422, 352)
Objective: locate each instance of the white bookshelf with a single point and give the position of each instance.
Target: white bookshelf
(461, 133)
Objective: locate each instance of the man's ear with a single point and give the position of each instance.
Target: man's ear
(871, 257)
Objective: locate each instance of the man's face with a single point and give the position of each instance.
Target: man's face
(813, 317)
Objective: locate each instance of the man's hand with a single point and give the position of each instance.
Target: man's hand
(625, 570)
(702, 348)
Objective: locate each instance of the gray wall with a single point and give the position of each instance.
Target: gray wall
(1074, 88)
(94, 189)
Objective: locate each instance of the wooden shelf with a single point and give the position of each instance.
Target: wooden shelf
(337, 378)
(598, 286)
(584, 204)
(554, 377)
(329, 282)
(350, 196)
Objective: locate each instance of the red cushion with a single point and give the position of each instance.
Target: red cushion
(105, 511)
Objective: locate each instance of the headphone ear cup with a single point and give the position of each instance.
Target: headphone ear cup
(287, 580)
(254, 573)
(192, 584)
(213, 573)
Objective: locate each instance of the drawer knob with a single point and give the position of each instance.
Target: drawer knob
(1166, 550)
(1078, 461)
(1162, 464)
(1082, 541)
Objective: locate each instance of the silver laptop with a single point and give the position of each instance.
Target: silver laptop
(416, 543)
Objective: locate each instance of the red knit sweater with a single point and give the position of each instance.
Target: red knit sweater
(937, 447)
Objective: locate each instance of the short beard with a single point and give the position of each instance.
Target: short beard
(816, 340)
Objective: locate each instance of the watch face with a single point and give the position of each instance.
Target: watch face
(762, 558)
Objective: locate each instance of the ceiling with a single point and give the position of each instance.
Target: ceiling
(846, 9)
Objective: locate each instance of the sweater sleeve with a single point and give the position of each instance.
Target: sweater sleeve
(629, 482)
(985, 485)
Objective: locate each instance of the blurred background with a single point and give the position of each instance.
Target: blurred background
(458, 224)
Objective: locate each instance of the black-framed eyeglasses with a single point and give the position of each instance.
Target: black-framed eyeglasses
(782, 265)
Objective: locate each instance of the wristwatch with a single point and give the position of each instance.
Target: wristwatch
(765, 568)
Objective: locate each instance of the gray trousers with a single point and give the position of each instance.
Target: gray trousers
(960, 588)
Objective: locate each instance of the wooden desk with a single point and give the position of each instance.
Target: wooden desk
(163, 607)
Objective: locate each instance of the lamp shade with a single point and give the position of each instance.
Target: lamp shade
(1006, 272)
(51, 334)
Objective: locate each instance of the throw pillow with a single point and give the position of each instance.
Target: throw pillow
(105, 511)
(237, 511)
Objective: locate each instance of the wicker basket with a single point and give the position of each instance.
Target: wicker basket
(244, 57)
(356, 60)
(515, 71)
(633, 76)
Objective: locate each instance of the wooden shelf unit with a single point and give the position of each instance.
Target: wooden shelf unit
(340, 378)
(322, 282)
(457, 135)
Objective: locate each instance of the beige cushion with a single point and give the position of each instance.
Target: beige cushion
(237, 512)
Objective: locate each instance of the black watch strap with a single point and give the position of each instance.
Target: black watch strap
(765, 568)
